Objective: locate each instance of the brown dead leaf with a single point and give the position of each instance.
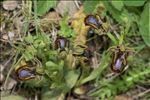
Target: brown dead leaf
(49, 19)
(121, 97)
(66, 7)
(71, 61)
(10, 84)
(81, 90)
(18, 24)
(79, 27)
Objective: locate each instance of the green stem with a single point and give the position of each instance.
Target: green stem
(35, 16)
(15, 63)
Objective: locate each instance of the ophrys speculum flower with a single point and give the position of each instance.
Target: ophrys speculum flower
(119, 58)
(25, 73)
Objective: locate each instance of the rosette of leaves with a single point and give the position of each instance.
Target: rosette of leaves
(55, 76)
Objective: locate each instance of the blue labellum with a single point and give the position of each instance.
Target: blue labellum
(118, 64)
(25, 73)
(119, 61)
(62, 43)
(93, 20)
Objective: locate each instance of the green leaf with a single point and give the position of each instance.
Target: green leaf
(45, 38)
(50, 64)
(115, 13)
(41, 41)
(144, 25)
(52, 95)
(117, 4)
(134, 2)
(71, 78)
(121, 38)
(65, 30)
(113, 39)
(29, 38)
(13, 97)
(29, 53)
(96, 72)
(44, 5)
(123, 17)
(90, 6)
(27, 56)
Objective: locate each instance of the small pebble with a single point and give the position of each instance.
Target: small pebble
(10, 5)
(1, 78)
(5, 37)
(11, 35)
(1, 68)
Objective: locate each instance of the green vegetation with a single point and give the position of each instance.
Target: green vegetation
(62, 74)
